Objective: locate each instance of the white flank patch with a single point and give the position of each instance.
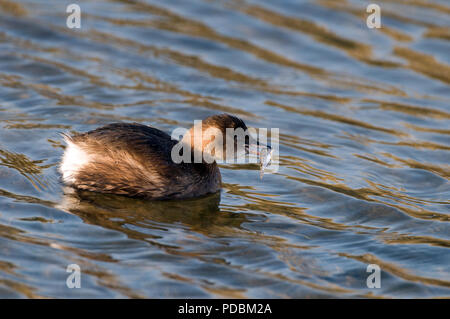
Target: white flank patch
(73, 160)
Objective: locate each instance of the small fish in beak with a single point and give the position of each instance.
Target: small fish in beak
(265, 156)
(264, 153)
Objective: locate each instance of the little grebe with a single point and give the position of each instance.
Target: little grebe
(135, 160)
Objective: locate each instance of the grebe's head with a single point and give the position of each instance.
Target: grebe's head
(221, 137)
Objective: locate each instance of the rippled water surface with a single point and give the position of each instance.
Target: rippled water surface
(364, 147)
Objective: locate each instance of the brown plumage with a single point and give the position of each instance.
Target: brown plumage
(135, 160)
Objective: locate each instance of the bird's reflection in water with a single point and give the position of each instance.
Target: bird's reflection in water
(201, 215)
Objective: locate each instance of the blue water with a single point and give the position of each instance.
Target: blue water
(364, 122)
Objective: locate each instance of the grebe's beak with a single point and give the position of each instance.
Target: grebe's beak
(255, 148)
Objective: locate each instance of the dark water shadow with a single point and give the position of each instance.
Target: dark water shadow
(201, 215)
